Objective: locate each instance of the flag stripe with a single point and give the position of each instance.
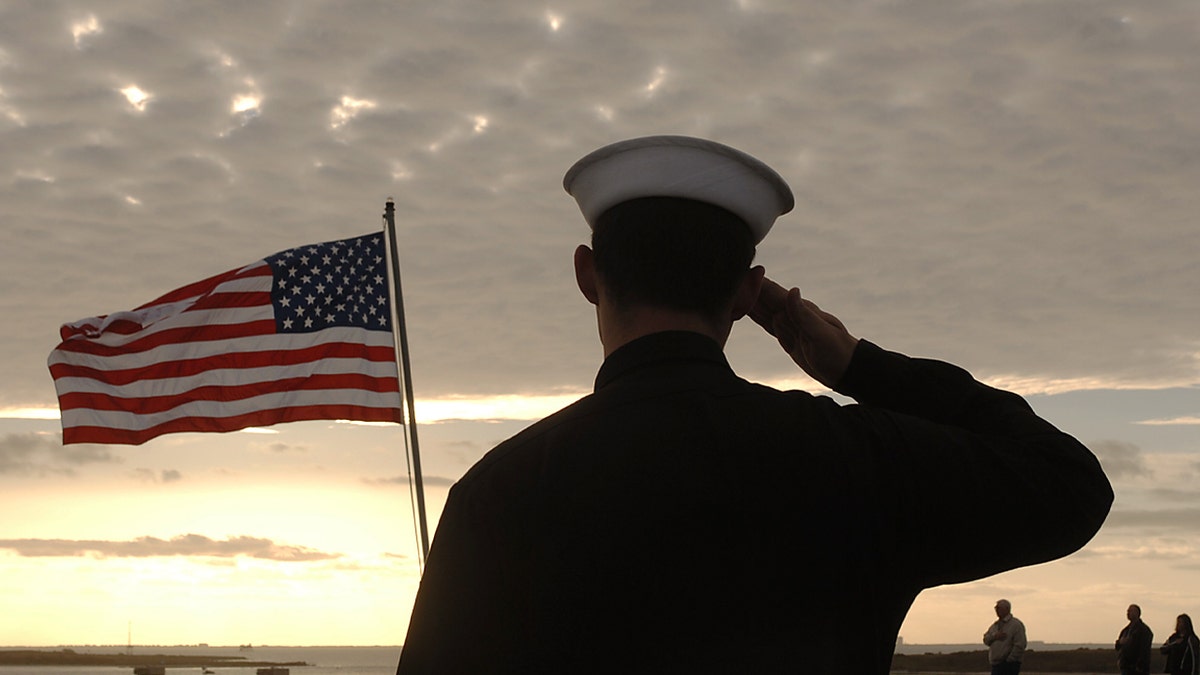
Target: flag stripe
(156, 403)
(85, 433)
(117, 333)
(309, 343)
(258, 280)
(210, 409)
(240, 370)
(303, 334)
(176, 336)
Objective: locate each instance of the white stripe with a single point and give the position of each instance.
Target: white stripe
(221, 409)
(155, 312)
(224, 316)
(226, 377)
(205, 349)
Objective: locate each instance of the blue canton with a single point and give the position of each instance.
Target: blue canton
(337, 283)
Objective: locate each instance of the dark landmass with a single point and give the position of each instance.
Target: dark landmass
(70, 657)
(1070, 661)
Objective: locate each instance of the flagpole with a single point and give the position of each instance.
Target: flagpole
(410, 425)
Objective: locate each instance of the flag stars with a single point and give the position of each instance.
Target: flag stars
(337, 284)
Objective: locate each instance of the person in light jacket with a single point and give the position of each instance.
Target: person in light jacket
(1005, 640)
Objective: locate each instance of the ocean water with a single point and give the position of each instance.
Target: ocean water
(324, 660)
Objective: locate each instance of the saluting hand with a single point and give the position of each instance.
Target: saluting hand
(815, 339)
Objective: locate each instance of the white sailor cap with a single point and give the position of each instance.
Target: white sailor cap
(679, 166)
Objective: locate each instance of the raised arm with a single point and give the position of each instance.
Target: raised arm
(950, 454)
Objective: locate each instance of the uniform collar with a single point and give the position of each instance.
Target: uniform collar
(659, 348)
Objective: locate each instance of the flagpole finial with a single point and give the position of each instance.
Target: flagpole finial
(390, 207)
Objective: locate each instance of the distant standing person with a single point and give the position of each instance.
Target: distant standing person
(1183, 648)
(1005, 640)
(1133, 644)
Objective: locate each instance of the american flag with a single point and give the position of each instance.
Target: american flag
(304, 334)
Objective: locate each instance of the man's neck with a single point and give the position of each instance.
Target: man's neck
(618, 329)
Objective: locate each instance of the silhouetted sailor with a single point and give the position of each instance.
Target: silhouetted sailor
(683, 520)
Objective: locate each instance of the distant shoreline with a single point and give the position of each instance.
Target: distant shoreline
(970, 660)
(70, 657)
(1082, 660)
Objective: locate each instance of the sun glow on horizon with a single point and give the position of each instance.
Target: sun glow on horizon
(522, 407)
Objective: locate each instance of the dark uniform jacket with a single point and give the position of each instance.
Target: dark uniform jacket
(1134, 656)
(1183, 654)
(683, 520)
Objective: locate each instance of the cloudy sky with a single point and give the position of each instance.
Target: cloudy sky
(1008, 185)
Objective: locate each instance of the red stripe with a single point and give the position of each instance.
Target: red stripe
(204, 333)
(238, 360)
(208, 302)
(206, 286)
(121, 327)
(158, 402)
(88, 434)
(239, 299)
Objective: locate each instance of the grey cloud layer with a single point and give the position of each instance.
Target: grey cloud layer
(1009, 185)
(183, 545)
(39, 455)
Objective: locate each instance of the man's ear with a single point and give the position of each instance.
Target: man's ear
(585, 274)
(747, 292)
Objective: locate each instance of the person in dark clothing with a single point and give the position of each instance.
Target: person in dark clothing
(1133, 644)
(681, 519)
(1182, 648)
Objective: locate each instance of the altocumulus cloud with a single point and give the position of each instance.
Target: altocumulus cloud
(151, 476)
(1185, 519)
(152, 547)
(1120, 460)
(43, 454)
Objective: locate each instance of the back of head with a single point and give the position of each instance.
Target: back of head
(671, 253)
(675, 219)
